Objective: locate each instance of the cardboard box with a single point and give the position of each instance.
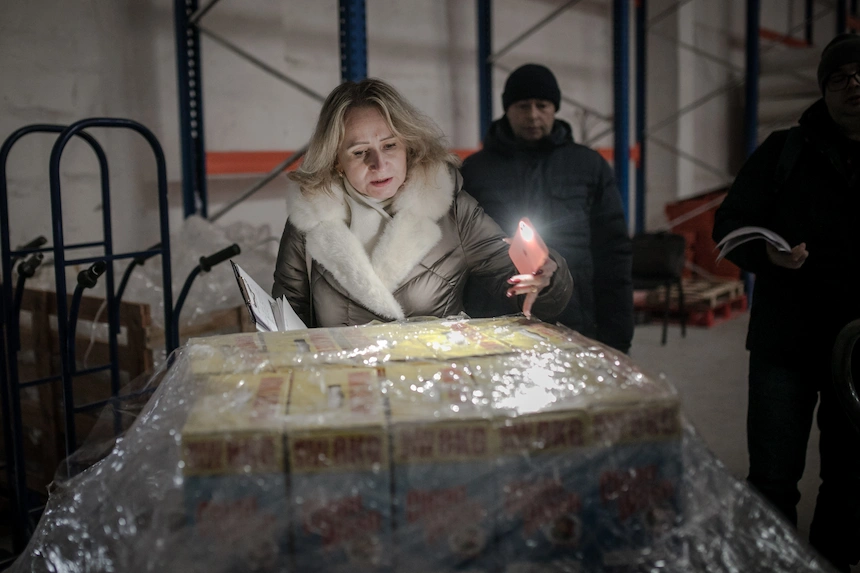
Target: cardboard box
(444, 470)
(339, 471)
(234, 470)
(639, 474)
(545, 472)
(228, 354)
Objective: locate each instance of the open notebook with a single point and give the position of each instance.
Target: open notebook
(746, 234)
(268, 314)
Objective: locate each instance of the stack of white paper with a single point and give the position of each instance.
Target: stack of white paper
(268, 314)
(746, 234)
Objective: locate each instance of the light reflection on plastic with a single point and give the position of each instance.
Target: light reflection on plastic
(535, 395)
(456, 337)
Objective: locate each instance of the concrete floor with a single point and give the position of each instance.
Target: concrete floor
(709, 368)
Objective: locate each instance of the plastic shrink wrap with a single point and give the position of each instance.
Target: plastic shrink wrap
(501, 445)
(211, 291)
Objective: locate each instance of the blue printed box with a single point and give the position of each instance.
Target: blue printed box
(240, 520)
(444, 470)
(234, 473)
(639, 474)
(340, 487)
(545, 481)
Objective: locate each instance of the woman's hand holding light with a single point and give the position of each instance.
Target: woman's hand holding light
(532, 284)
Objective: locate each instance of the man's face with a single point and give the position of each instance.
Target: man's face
(531, 119)
(842, 96)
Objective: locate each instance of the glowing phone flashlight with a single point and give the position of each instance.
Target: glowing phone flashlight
(528, 233)
(527, 250)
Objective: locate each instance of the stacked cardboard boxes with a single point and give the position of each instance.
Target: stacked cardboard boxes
(484, 445)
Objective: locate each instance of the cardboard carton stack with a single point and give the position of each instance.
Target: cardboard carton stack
(468, 445)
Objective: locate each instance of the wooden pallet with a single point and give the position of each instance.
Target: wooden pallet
(42, 407)
(697, 293)
(723, 311)
(706, 302)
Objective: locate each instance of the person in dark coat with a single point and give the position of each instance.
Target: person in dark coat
(804, 184)
(531, 167)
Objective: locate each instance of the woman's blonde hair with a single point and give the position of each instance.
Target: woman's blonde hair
(423, 140)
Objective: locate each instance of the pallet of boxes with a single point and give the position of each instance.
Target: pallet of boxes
(465, 445)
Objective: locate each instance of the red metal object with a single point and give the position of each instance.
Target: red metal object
(701, 249)
(720, 313)
(784, 39)
(703, 316)
(258, 162)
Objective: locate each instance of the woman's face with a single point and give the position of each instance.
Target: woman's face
(371, 157)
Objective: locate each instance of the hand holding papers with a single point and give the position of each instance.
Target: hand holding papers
(268, 314)
(746, 234)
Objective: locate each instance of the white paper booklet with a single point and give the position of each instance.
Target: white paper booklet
(746, 234)
(268, 314)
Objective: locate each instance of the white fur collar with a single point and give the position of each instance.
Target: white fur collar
(321, 215)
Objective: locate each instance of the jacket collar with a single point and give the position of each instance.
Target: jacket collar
(818, 123)
(820, 128)
(500, 137)
(321, 215)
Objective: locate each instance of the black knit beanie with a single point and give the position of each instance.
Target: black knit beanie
(531, 81)
(843, 49)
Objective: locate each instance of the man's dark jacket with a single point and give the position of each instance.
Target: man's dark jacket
(796, 314)
(568, 192)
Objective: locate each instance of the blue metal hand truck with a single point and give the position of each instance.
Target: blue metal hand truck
(103, 263)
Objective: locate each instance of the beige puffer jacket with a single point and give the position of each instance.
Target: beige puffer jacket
(437, 237)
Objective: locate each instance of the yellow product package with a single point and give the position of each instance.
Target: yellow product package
(433, 340)
(228, 354)
(523, 335)
(301, 342)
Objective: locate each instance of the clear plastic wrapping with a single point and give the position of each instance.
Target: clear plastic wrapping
(211, 291)
(502, 445)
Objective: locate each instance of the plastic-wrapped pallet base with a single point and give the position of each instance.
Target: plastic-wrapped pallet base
(501, 445)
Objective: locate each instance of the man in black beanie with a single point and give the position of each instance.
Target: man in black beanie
(530, 167)
(804, 184)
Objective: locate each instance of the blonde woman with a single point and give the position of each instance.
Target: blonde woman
(379, 227)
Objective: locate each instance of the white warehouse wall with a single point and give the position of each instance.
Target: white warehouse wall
(63, 61)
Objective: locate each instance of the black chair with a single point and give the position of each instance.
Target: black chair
(658, 261)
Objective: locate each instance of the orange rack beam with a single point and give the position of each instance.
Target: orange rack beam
(256, 162)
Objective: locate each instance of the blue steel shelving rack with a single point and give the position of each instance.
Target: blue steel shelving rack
(190, 91)
(353, 51)
(621, 88)
(621, 81)
(188, 28)
(485, 65)
(353, 40)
